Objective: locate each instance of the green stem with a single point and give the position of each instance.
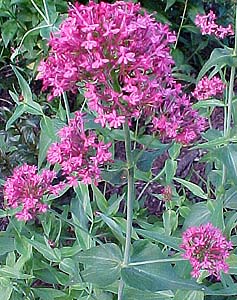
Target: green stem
(147, 262)
(228, 116)
(65, 100)
(182, 22)
(130, 199)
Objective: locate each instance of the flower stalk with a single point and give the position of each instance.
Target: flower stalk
(130, 199)
(228, 115)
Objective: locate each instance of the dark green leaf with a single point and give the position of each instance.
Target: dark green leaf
(195, 189)
(189, 295)
(102, 264)
(164, 239)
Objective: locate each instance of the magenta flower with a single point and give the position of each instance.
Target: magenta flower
(122, 56)
(26, 189)
(207, 88)
(118, 50)
(207, 24)
(206, 249)
(79, 153)
(176, 119)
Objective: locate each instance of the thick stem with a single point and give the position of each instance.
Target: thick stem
(230, 97)
(130, 199)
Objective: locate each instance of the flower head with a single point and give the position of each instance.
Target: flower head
(206, 249)
(26, 188)
(208, 25)
(119, 51)
(121, 57)
(79, 153)
(207, 88)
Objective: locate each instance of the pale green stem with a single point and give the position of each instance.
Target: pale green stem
(182, 22)
(46, 11)
(228, 115)
(65, 100)
(165, 260)
(149, 182)
(130, 199)
(39, 11)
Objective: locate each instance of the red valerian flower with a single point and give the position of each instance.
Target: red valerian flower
(207, 24)
(79, 153)
(207, 249)
(207, 88)
(121, 57)
(26, 188)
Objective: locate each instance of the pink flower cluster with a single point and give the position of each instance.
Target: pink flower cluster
(177, 120)
(122, 56)
(121, 53)
(206, 249)
(207, 24)
(207, 88)
(26, 188)
(79, 153)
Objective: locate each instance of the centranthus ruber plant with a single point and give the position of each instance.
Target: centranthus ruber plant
(84, 205)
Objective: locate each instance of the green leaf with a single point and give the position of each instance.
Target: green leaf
(49, 128)
(19, 111)
(195, 189)
(25, 88)
(114, 227)
(154, 277)
(232, 262)
(170, 221)
(5, 288)
(135, 294)
(45, 250)
(170, 170)
(219, 58)
(48, 293)
(9, 29)
(100, 200)
(169, 3)
(174, 150)
(189, 295)
(218, 142)
(208, 103)
(199, 214)
(164, 239)
(145, 161)
(11, 272)
(7, 244)
(229, 291)
(102, 264)
(228, 155)
(217, 217)
(230, 198)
